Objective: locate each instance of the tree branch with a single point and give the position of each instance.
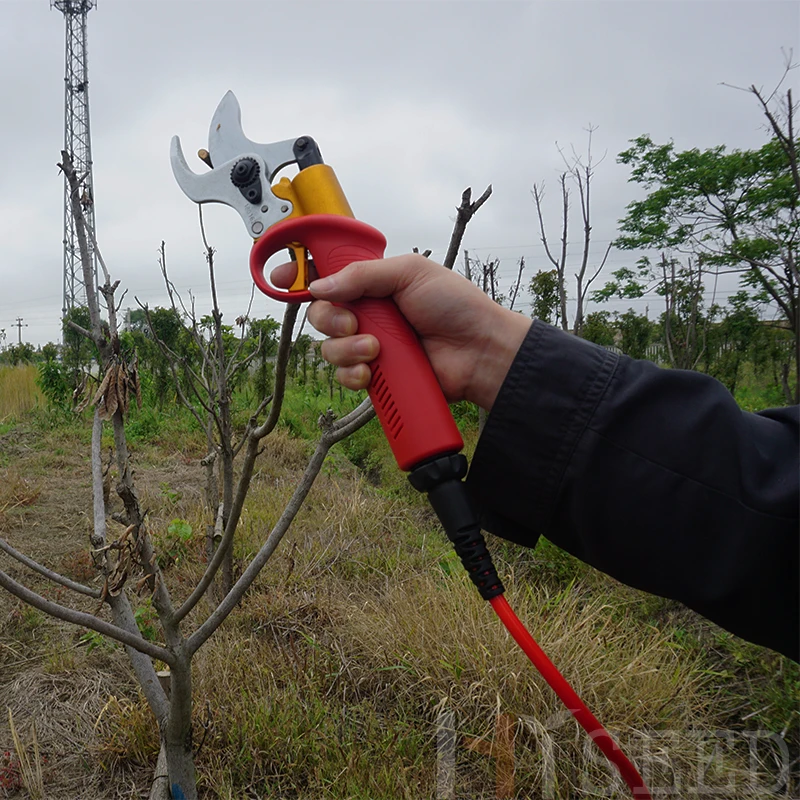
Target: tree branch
(86, 257)
(281, 363)
(464, 213)
(338, 431)
(83, 620)
(82, 331)
(47, 573)
(538, 196)
(515, 288)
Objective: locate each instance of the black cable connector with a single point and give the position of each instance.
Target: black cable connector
(442, 480)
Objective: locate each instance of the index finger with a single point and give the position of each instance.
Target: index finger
(283, 276)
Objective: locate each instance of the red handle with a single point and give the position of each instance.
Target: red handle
(407, 397)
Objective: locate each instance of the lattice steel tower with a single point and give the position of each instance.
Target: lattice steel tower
(78, 143)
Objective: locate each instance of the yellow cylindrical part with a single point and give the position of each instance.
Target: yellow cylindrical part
(314, 190)
(319, 191)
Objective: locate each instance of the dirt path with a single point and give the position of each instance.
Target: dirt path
(49, 675)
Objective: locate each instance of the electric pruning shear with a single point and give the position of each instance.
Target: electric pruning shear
(309, 215)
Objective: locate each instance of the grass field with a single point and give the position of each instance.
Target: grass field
(329, 678)
(19, 393)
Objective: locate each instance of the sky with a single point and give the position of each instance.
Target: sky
(410, 102)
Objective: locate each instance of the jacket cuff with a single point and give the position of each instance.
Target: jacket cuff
(544, 405)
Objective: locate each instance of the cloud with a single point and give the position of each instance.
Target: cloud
(410, 102)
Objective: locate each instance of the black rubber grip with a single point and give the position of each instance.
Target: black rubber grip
(441, 479)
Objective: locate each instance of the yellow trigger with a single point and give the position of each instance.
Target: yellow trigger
(284, 190)
(300, 257)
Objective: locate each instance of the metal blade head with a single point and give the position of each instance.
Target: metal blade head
(216, 187)
(226, 139)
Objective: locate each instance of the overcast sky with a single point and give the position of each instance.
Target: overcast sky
(409, 101)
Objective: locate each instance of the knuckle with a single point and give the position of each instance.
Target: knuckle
(318, 313)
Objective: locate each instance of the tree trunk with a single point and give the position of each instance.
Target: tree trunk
(796, 398)
(787, 390)
(226, 569)
(177, 734)
(159, 789)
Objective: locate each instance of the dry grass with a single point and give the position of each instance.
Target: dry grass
(16, 493)
(30, 765)
(65, 708)
(327, 680)
(19, 392)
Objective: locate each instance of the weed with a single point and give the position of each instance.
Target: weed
(95, 641)
(144, 425)
(147, 620)
(127, 731)
(16, 492)
(59, 659)
(173, 546)
(10, 773)
(170, 494)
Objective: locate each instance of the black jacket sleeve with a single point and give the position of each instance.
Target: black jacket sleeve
(654, 476)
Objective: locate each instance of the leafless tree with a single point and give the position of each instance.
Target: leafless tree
(464, 213)
(580, 173)
(128, 562)
(205, 389)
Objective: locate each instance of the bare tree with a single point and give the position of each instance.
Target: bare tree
(580, 173)
(128, 562)
(205, 389)
(485, 275)
(464, 213)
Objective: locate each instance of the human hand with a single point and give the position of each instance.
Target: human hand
(469, 339)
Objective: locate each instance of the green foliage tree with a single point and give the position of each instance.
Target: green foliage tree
(738, 210)
(53, 378)
(636, 333)
(22, 353)
(165, 329)
(78, 352)
(600, 328)
(300, 355)
(545, 296)
(683, 324)
(264, 331)
(731, 338)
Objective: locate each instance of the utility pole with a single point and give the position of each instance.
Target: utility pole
(19, 326)
(77, 142)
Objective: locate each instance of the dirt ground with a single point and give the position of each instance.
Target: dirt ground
(51, 676)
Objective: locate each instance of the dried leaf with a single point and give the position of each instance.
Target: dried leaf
(103, 596)
(110, 399)
(83, 405)
(101, 390)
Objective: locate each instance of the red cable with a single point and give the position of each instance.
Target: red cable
(570, 699)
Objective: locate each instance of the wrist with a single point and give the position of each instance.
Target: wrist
(502, 339)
